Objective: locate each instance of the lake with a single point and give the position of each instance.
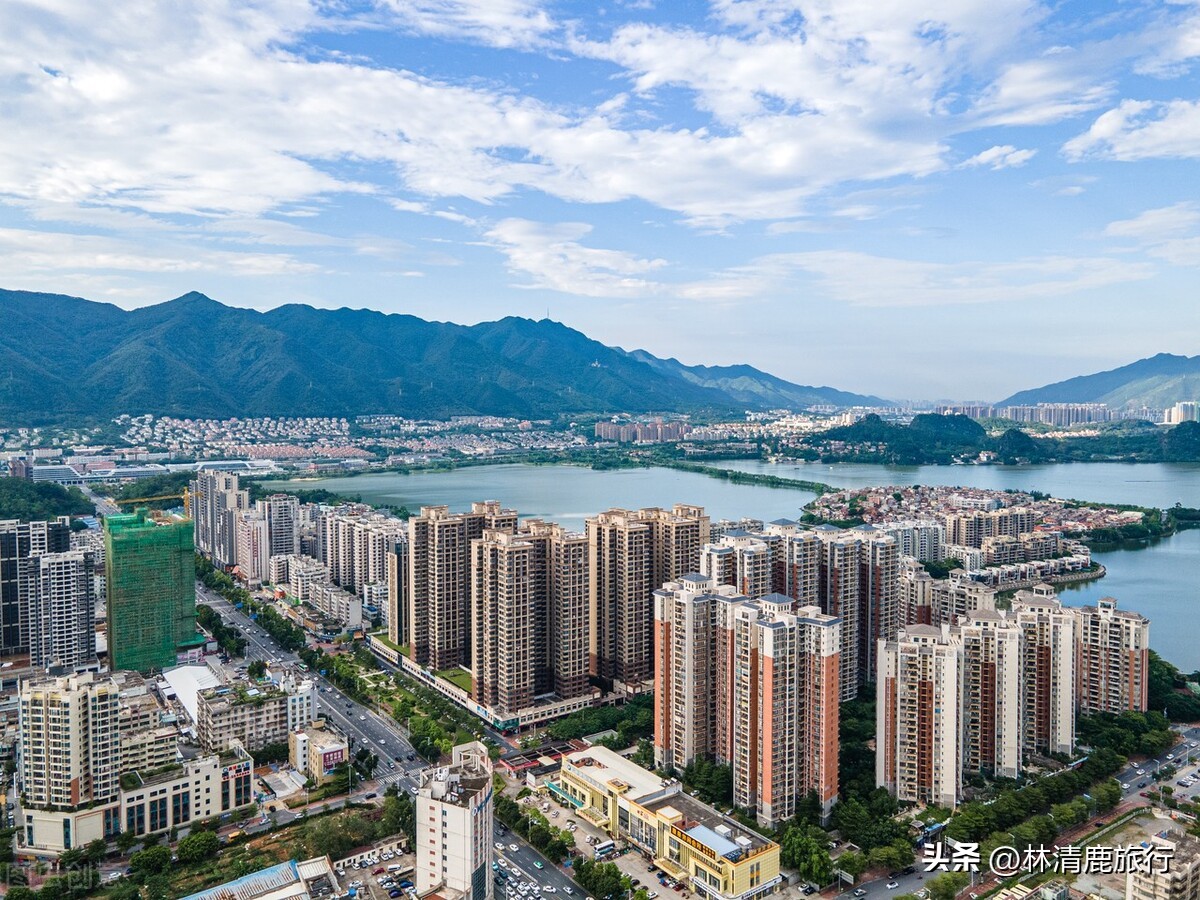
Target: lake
(1161, 581)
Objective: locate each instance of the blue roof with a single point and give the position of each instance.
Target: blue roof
(253, 885)
(722, 846)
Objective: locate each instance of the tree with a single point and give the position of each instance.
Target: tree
(151, 862)
(852, 863)
(95, 852)
(198, 847)
(1107, 795)
(20, 892)
(805, 849)
(125, 841)
(256, 669)
(947, 885)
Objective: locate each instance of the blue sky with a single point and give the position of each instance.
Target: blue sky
(914, 199)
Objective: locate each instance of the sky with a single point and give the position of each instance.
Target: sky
(910, 198)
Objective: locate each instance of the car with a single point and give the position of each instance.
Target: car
(809, 890)
(548, 888)
(1194, 744)
(908, 870)
(892, 885)
(1142, 784)
(860, 892)
(922, 894)
(538, 864)
(356, 883)
(413, 791)
(1141, 771)
(378, 871)
(362, 718)
(393, 893)
(894, 875)
(1099, 824)
(1170, 756)
(1144, 794)
(568, 890)
(499, 846)
(1125, 787)
(512, 848)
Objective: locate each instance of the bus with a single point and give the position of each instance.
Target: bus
(604, 848)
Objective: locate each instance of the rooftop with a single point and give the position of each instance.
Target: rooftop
(608, 768)
(702, 823)
(291, 880)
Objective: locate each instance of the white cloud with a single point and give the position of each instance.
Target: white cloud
(1168, 233)
(28, 254)
(1141, 129)
(999, 157)
(497, 23)
(551, 257)
(862, 279)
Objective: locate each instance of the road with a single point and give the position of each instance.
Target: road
(525, 858)
(365, 726)
(1181, 756)
(104, 506)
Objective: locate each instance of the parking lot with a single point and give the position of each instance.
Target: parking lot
(380, 875)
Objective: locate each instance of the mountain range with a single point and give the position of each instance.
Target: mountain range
(1157, 382)
(66, 358)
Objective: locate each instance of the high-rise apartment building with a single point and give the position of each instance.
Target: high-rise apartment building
(752, 683)
(792, 695)
(453, 844)
(282, 512)
(742, 560)
(918, 716)
(980, 696)
(439, 582)
(1112, 658)
(631, 553)
(397, 594)
(689, 671)
(216, 501)
(151, 586)
(355, 544)
(252, 546)
(958, 598)
(60, 599)
(69, 759)
(1048, 670)
(992, 698)
(529, 610)
(20, 541)
(922, 539)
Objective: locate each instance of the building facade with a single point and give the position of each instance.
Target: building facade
(453, 846)
(1112, 658)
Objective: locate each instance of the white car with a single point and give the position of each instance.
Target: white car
(512, 848)
(1141, 771)
(499, 846)
(1124, 787)
(548, 888)
(892, 885)
(1170, 756)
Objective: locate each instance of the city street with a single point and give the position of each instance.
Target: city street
(366, 727)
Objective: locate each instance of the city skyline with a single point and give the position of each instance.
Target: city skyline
(815, 185)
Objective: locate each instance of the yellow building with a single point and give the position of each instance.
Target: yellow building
(686, 838)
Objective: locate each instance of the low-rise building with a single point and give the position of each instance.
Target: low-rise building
(309, 879)
(317, 753)
(254, 715)
(692, 842)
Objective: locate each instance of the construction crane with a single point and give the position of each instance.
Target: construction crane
(186, 497)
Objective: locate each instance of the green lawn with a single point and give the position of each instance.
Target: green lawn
(459, 678)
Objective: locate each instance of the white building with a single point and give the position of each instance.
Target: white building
(58, 590)
(453, 846)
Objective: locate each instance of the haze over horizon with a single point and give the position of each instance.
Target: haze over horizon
(951, 204)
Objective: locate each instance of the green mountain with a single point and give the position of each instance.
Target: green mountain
(65, 358)
(754, 388)
(1157, 382)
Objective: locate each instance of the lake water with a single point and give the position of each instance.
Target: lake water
(1161, 581)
